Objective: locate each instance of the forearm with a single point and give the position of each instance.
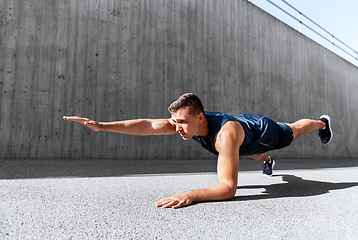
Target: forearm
(217, 192)
(132, 127)
(141, 127)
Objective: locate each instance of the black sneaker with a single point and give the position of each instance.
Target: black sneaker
(325, 134)
(267, 167)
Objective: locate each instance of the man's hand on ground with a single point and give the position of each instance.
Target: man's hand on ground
(176, 201)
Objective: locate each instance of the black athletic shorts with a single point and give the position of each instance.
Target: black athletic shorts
(285, 135)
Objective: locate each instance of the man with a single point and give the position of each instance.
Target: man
(227, 136)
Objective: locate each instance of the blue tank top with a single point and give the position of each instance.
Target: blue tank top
(261, 133)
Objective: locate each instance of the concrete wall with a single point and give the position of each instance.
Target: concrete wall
(123, 59)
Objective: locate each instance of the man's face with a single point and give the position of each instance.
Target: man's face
(186, 124)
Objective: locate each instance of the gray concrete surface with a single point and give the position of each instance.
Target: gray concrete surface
(118, 59)
(317, 201)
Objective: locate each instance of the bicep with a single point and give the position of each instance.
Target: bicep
(161, 127)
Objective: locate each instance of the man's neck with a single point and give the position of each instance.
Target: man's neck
(204, 129)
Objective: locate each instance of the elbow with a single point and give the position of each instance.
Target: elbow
(231, 193)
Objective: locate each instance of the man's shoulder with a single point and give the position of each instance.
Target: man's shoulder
(231, 126)
(231, 130)
(229, 138)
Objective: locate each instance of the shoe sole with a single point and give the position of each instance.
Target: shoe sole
(329, 126)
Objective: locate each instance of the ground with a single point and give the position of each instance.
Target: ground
(114, 199)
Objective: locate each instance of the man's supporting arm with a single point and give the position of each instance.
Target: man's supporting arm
(227, 144)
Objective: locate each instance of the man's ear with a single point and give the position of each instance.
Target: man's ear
(201, 116)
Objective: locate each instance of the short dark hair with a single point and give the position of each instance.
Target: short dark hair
(189, 100)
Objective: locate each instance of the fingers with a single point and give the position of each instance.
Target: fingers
(76, 119)
(173, 202)
(182, 203)
(164, 203)
(94, 125)
(168, 204)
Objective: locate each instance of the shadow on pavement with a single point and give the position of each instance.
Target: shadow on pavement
(27, 169)
(293, 187)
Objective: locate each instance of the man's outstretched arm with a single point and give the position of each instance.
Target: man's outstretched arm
(140, 127)
(227, 143)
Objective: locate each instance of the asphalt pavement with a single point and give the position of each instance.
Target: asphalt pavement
(114, 199)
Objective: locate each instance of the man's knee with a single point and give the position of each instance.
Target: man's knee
(296, 129)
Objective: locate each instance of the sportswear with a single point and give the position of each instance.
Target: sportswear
(326, 133)
(261, 133)
(268, 167)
